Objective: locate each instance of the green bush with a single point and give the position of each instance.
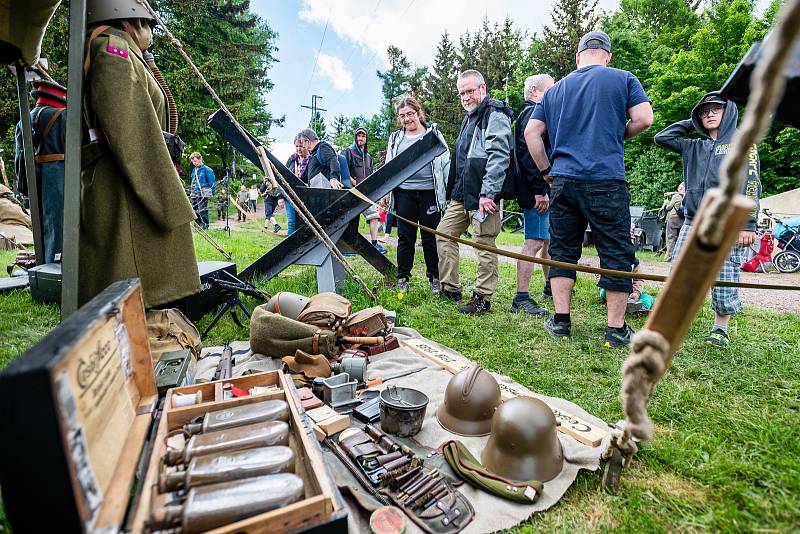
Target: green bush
(651, 175)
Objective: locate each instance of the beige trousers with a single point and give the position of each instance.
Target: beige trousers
(454, 222)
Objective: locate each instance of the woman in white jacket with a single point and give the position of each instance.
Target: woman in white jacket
(421, 198)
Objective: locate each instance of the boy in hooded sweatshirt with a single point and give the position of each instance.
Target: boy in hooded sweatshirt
(714, 118)
(359, 163)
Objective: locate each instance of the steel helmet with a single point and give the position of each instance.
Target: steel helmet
(469, 402)
(106, 10)
(524, 444)
(287, 304)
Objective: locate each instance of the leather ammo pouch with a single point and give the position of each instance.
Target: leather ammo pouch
(368, 322)
(390, 343)
(326, 310)
(358, 445)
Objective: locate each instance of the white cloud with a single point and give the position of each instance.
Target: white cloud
(281, 149)
(416, 26)
(333, 68)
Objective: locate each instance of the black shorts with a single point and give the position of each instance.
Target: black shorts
(270, 203)
(605, 206)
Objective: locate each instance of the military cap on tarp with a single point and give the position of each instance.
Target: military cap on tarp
(469, 402)
(467, 467)
(107, 10)
(311, 365)
(524, 444)
(51, 90)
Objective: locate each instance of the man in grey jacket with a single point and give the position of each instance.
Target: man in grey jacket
(477, 174)
(714, 118)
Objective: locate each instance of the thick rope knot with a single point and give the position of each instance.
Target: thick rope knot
(644, 366)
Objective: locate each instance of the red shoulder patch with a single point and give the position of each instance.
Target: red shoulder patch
(117, 51)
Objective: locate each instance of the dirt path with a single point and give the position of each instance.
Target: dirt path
(765, 299)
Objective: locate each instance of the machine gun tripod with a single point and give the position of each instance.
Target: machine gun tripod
(231, 289)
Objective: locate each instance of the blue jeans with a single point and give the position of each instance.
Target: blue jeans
(290, 215)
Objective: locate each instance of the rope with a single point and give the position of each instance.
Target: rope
(294, 200)
(651, 354)
(561, 264)
(767, 83)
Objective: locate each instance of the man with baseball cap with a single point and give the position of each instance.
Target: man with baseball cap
(587, 117)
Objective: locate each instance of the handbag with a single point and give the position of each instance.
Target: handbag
(205, 192)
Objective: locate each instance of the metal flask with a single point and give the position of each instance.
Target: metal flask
(271, 410)
(215, 505)
(234, 439)
(227, 467)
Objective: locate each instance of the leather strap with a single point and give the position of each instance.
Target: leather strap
(48, 158)
(278, 305)
(315, 344)
(47, 129)
(88, 61)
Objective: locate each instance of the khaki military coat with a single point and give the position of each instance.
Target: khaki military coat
(135, 216)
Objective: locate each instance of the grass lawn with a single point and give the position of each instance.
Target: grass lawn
(727, 453)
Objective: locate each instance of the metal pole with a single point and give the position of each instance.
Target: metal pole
(30, 166)
(70, 274)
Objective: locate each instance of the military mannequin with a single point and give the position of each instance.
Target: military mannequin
(49, 122)
(135, 217)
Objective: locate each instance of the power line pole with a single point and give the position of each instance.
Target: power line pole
(314, 108)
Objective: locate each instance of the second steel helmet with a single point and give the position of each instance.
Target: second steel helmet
(287, 304)
(524, 444)
(469, 402)
(106, 10)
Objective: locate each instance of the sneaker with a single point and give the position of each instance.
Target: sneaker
(436, 286)
(547, 293)
(477, 304)
(379, 248)
(528, 306)
(277, 228)
(402, 285)
(718, 338)
(455, 296)
(634, 306)
(557, 330)
(617, 338)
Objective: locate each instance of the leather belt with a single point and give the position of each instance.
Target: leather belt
(96, 134)
(48, 158)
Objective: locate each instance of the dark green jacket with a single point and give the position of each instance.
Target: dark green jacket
(135, 216)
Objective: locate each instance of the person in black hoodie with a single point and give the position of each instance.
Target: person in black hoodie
(322, 160)
(714, 118)
(359, 163)
(532, 193)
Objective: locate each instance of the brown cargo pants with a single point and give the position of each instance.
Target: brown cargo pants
(454, 222)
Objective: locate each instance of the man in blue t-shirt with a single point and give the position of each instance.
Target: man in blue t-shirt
(586, 117)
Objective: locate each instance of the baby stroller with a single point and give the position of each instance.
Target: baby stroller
(786, 234)
(762, 261)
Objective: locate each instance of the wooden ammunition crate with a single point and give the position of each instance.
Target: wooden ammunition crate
(84, 431)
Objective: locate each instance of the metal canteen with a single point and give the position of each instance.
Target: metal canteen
(215, 505)
(271, 410)
(228, 466)
(471, 397)
(524, 444)
(233, 439)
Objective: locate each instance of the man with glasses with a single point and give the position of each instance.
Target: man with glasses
(714, 118)
(474, 186)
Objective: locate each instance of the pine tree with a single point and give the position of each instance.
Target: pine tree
(571, 20)
(441, 102)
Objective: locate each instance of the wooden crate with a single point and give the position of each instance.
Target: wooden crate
(82, 432)
(322, 507)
